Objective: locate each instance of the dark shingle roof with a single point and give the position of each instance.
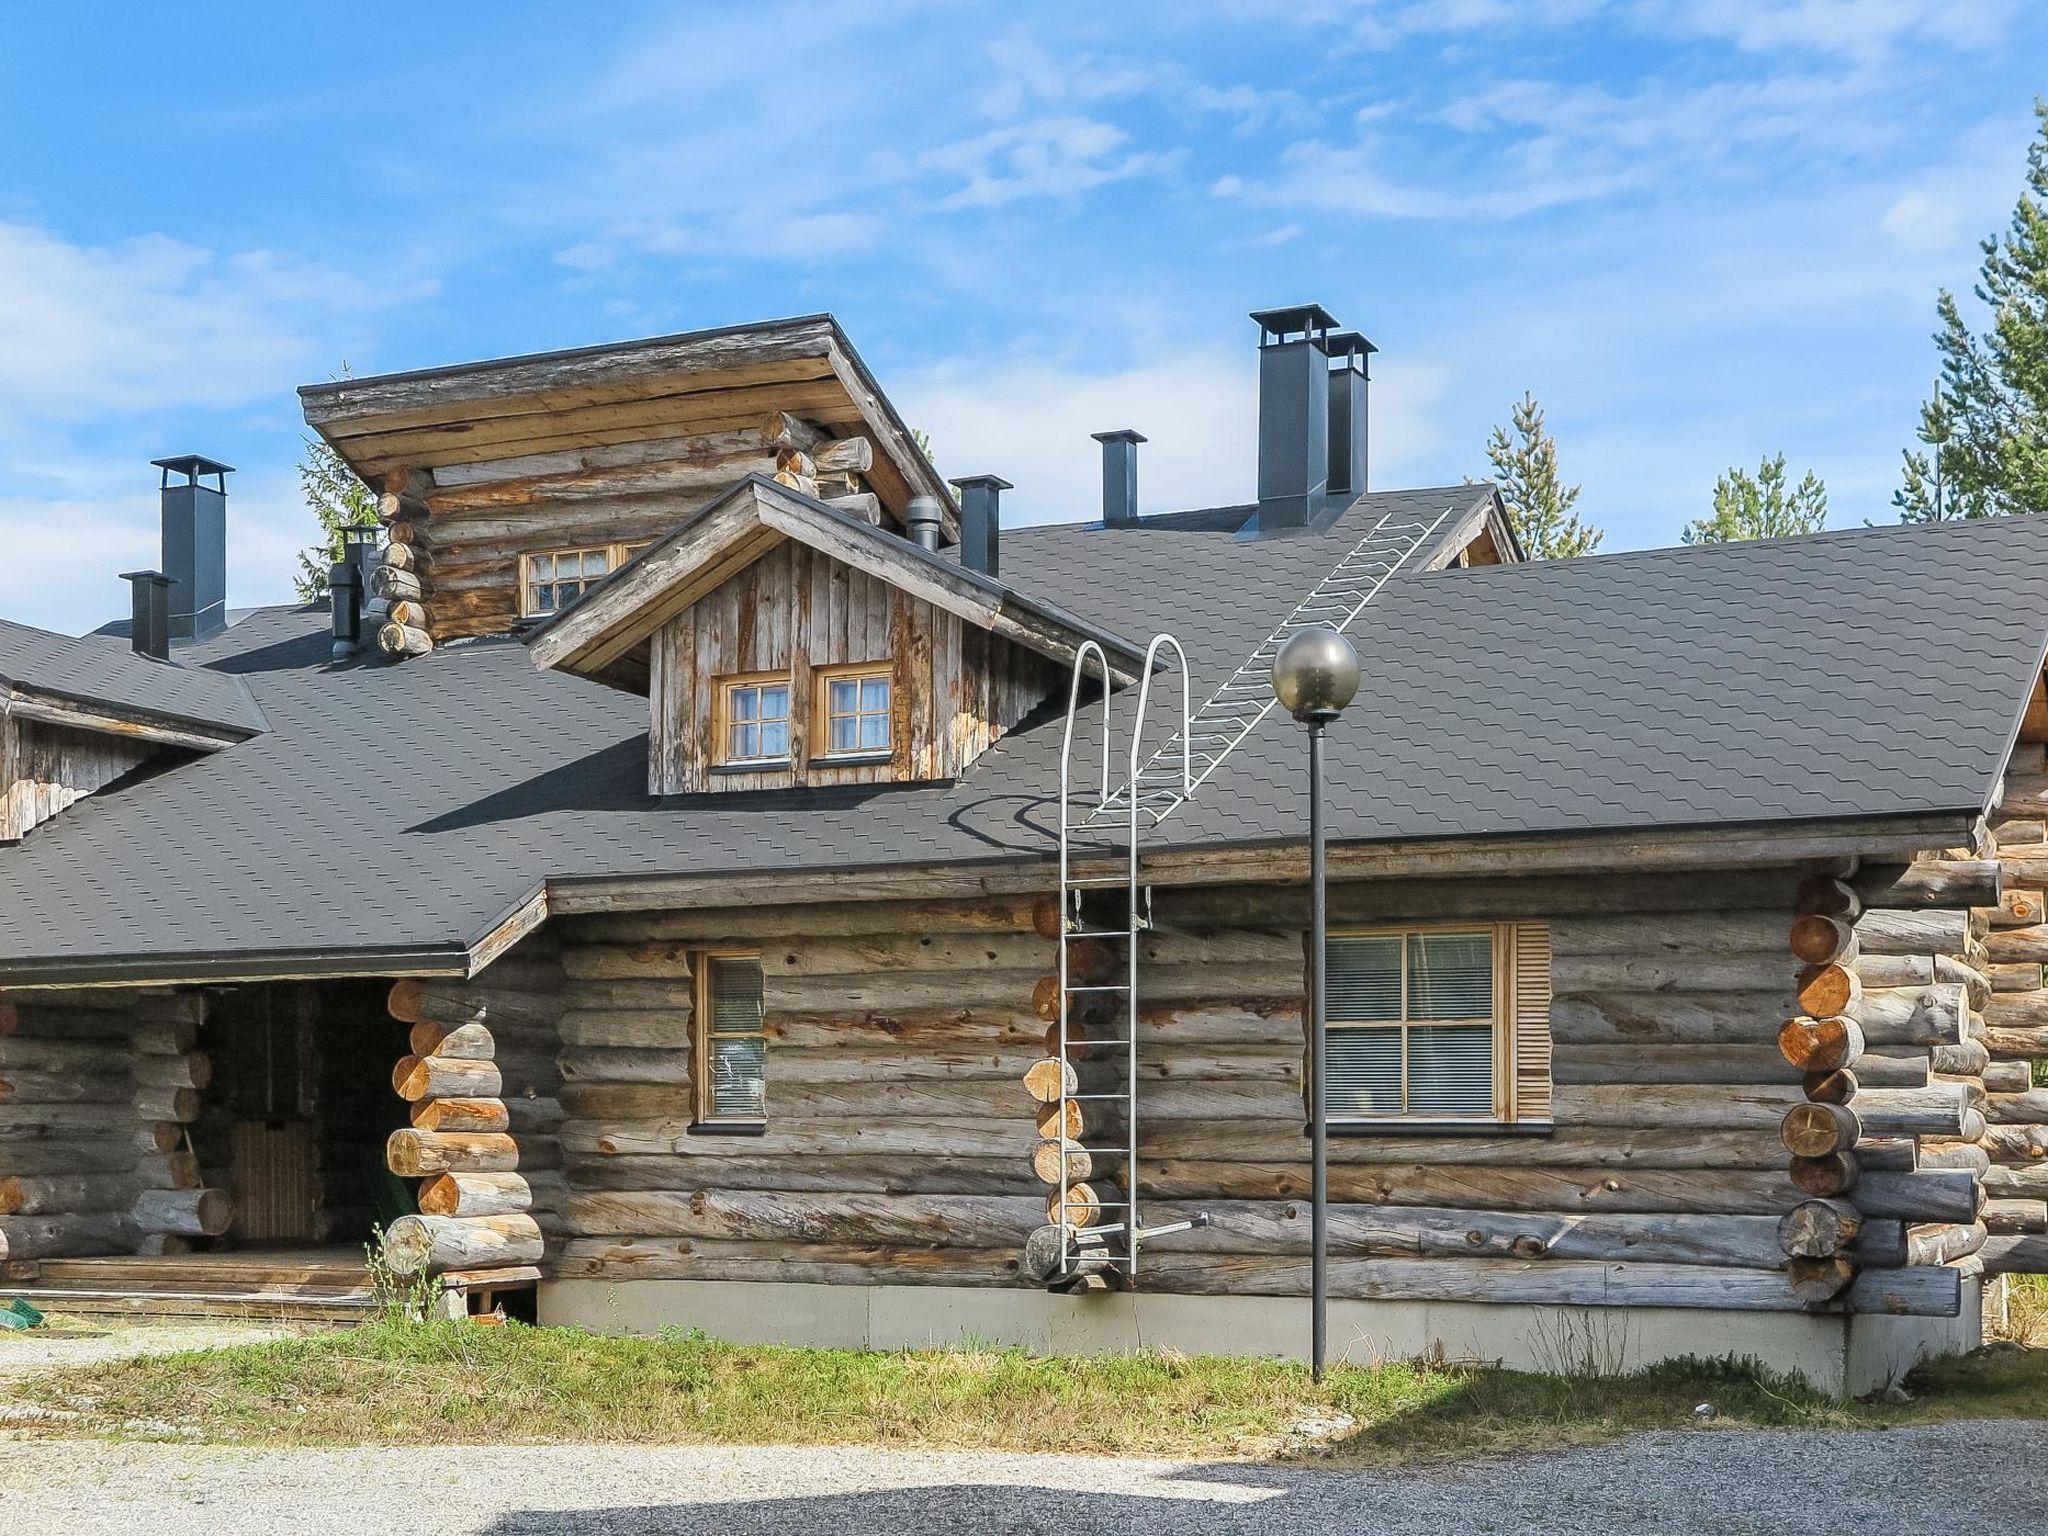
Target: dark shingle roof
(95, 669)
(395, 807)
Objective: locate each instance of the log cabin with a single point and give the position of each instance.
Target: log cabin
(702, 868)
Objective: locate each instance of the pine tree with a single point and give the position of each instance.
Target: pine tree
(1758, 506)
(1985, 432)
(338, 500)
(1539, 503)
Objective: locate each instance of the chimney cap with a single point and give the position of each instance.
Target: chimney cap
(1348, 344)
(192, 465)
(1121, 435)
(157, 577)
(1290, 319)
(990, 482)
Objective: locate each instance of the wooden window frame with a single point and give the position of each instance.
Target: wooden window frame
(704, 1118)
(616, 554)
(721, 722)
(1505, 1024)
(821, 711)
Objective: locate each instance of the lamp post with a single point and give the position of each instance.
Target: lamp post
(1314, 677)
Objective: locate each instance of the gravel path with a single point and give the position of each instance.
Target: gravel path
(46, 1349)
(1904, 1483)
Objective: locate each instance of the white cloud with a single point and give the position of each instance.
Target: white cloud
(1923, 221)
(1030, 422)
(1058, 158)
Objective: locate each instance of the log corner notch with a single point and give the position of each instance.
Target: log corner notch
(395, 603)
(479, 1210)
(1883, 1148)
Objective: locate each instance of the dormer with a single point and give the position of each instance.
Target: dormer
(783, 643)
(510, 488)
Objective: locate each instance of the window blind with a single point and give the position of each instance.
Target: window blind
(1412, 1024)
(736, 1051)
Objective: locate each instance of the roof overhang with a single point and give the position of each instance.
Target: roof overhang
(698, 381)
(606, 634)
(51, 707)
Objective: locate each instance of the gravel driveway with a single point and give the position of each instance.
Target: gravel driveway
(1951, 1478)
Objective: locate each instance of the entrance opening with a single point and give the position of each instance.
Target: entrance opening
(294, 1123)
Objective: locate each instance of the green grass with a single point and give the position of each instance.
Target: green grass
(457, 1383)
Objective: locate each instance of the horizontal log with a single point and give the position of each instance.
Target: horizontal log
(1819, 1229)
(1011, 1136)
(960, 1221)
(1895, 1067)
(2015, 1254)
(2012, 976)
(463, 1042)
(863, 1173)
(477, 1194)
(54, 1194)
(1572, 1144)
(1975, 982)
(1668, 1064)
(1929, 883)
(191, 1069)
(415, 1153)
(187, 1212)
(1925, 1291)
(654, 1258)
(712, 926)
(2012, 1214)
(422, 1002)
(103, 1058)
(1940, 1152)
(1938, 1194)
(461, 1115)
(1913, 931)
(23, 1089)
(165, 1037)
(2018, 945)
(1894, 970)
(430, 1244)
(69, 1235)
(1936, 1015)
(181, 1105)
(2016, 909)
(1815, 1130)
(1936, 1110)
(1766, 1191)
(2006, 1076)
(1758, 971)
(1701, 1106)
(445, 1077)
(1820, 1045)
(2029, 1108)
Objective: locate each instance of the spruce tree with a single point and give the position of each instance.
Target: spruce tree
(337, 500)
(1984, 434)
(1539, 503)
(1758, 506)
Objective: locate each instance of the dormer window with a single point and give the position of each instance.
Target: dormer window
(552, 580)
(753, 724)
(853, 704)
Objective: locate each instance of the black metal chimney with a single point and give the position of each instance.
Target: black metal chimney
(925, 522)
(1119, 477)
(1348, 379)
(345, 605)
(1294, 415)
(196, 544)
(981, 521)
(149, 610)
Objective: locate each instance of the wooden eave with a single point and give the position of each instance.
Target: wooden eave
(52, 708)
(605, 635)
(699, 381)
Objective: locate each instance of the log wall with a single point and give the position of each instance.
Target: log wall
(954, 687)
(97, 1089)
(902, 1145)
(459, 531)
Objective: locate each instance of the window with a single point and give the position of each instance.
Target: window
(551, 581)
(754, 720)
(1424, 1024)
(732, 1046)
(853, 704)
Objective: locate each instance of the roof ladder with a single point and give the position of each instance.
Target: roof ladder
(1098, 1069)
(1179, 768)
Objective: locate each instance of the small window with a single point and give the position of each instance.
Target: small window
(853, 703)
(551, 582)
(732, 1055)
(1416, 1025)
(755, 725)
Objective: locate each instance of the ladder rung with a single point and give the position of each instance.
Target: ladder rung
(1105, 986)
(1100, 933)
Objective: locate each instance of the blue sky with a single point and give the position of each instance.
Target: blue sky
(1700, 230)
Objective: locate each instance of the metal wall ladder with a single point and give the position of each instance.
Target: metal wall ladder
(1164, 782)
(1098, 1060)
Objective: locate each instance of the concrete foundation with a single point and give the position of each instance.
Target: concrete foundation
(1843, 1355)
